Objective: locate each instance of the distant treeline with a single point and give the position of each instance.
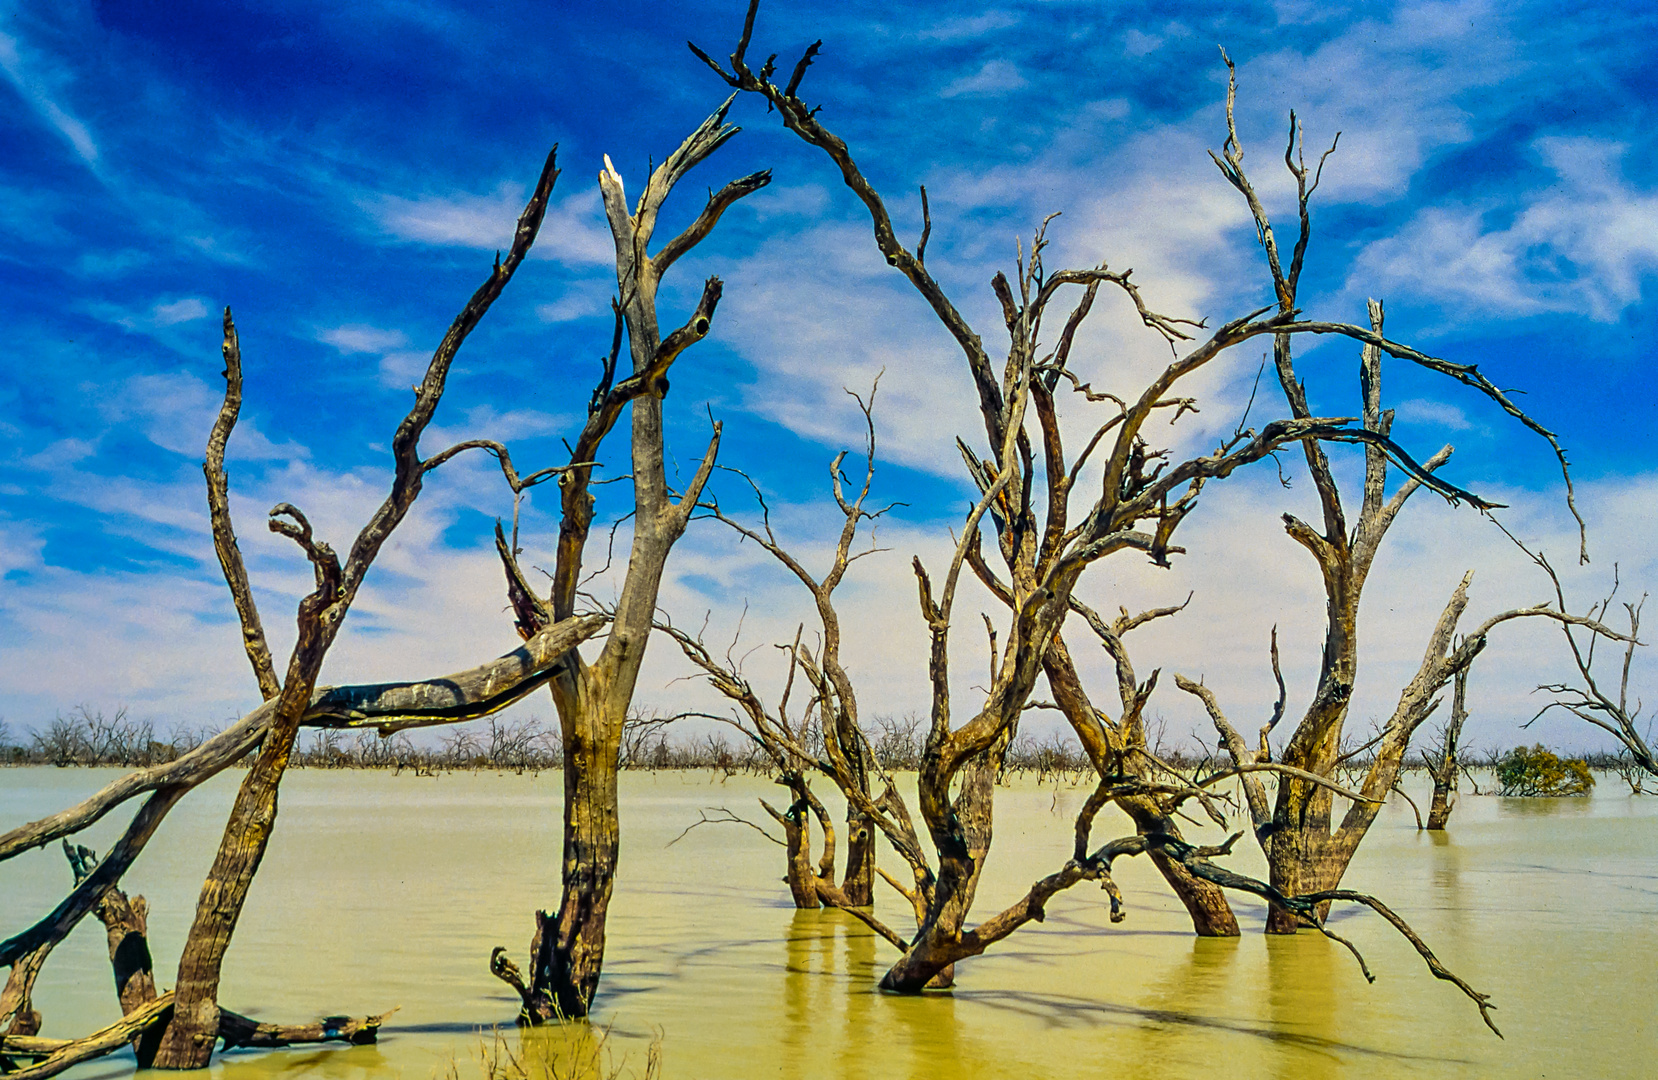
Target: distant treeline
(86, 737)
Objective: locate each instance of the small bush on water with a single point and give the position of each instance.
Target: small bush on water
(1536, 771)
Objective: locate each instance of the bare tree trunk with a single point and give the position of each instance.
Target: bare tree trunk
(1445, 767)
(859, 881)
(190, 1036)
(16, 1000)
(126, 926)
(1114, 749)
(800, 875)
(592, 700)
(1439, 811)
(930, 962)
(568, 960)
(1205, 901)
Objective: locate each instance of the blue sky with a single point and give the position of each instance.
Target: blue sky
(340, 174)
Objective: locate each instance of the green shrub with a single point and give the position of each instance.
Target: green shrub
(1536, 771)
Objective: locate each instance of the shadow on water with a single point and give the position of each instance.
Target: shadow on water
(1063, 1010)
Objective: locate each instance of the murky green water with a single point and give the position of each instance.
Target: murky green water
(385, 890)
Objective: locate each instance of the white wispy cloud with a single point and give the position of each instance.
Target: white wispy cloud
(1437, 414)
(156, 321)
(357, 338)
(175, 411)
(995, 78)
(969, 27)
(572, 233)
(1585, 244)
(38, 84)
(398, 365)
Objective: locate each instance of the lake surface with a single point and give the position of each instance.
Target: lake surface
(384, 890)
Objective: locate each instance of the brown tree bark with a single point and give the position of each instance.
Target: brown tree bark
(569, 960)
(1119, 749)
(126, 928)
(593, 699)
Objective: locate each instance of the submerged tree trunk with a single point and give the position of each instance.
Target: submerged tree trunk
(1205, 901)
(800, 875)
(567, 951)
(930, 962)
(859, 881)
(1444, 770)
(189, 1038)
(569, 958)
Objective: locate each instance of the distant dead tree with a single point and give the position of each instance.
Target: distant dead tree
(786, 745)
(179, 1029)
(1304, 853)
(1047, 549)
(827, 737)
(594, 698)
(1444, 766)
(1586, 698)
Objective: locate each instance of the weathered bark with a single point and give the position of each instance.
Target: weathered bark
(237, 1030)
(17, 999)
(568, 961)
(127, 931)
(194, 1028)
(858, 883)
(593, 700)
(800, 876)
(1120, 750)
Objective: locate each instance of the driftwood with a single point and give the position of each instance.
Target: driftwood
(53, 1056)
(60, 1055)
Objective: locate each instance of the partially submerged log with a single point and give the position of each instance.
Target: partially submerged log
(237, 1030)
(52, 1056)
(64, 1055)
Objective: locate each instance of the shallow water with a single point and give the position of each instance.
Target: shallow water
(384, 890)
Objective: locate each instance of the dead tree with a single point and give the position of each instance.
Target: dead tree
(787, 744)
(181, 1028)
(1119, 748)
(593, 698)
(1587, 699)
(840, 751)
(1443, 764)
(1303, 852)
(1047, 549)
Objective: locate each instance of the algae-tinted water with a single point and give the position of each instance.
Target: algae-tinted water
(383, 890)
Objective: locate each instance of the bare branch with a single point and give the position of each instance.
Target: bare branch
(224, 534)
